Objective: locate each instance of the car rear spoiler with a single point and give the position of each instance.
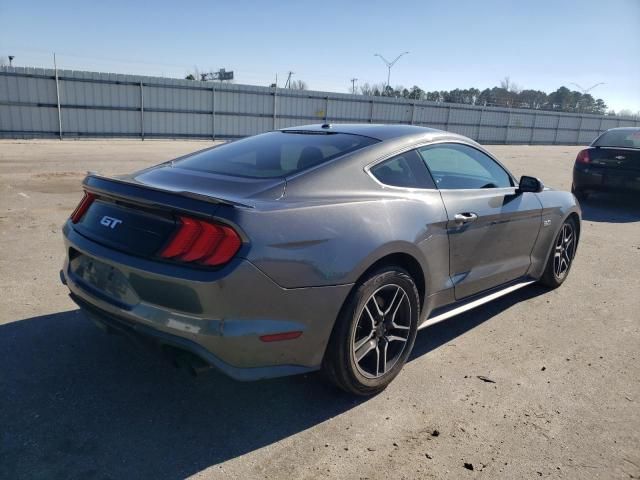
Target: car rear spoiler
(150, 195)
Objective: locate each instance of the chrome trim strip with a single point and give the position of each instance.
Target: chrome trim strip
(474, 304)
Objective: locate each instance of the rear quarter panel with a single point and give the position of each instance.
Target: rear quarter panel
(307, 244)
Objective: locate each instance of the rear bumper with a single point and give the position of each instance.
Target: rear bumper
(218, 316)
(599, 179)
(129, 328)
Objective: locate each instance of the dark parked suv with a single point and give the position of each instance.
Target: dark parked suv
(611, 163)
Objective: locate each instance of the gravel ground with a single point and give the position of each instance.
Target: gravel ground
(563, 401)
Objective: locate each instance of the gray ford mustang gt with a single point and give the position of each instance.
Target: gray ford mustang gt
(317, 247)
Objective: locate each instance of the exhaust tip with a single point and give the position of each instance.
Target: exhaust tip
(184, 360)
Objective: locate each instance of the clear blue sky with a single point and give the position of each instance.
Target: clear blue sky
(540, 44)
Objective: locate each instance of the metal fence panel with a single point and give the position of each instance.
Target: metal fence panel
(492, 134)
(519, 135)
(466, 130)
(591, 123)
(431, 115)
(173, 99)
(111, 123)
(587, 136)
(243, 103)
(162, 124)
(568, 122)
(566, 137)
(519, 120)
(27, 89)
(103, 104)
(495, 117)
(305, 109)
(608, 123)
(627, 123)
(98, 95)
(348, 111)
(545, 137)
(464, 116)
(391, 112)
(16, 120)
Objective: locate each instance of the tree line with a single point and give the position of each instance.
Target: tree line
(507, 95)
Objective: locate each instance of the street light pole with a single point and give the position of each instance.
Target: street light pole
(389, 64)
(587, 90)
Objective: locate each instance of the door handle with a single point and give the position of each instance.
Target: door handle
(466, 217)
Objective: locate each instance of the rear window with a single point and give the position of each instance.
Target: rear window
(274, 154)
(406, 170)
(619, 138)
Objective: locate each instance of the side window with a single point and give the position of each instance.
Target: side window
(456, 166)
(405, 170)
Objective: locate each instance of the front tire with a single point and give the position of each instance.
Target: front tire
(562, 255)
(374, 333)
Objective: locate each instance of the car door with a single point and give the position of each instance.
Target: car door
(491, 228)
(426, 225)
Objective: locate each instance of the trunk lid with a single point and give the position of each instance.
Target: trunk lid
(614, 158)
(139, 214)
(127, 227)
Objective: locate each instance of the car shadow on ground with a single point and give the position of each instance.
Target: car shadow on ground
(611, 208)
(77, 403)
(442, 333)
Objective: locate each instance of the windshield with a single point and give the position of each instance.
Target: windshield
(619, 138)
(274, 154)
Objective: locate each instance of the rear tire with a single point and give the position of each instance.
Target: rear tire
(374, 333)
(562, 255)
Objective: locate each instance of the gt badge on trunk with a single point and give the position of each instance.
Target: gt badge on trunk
(110, 222)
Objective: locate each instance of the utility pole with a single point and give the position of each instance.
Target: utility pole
(288, 82)
(353, 85)
(389, 64)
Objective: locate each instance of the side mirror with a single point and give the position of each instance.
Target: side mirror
(530, 184)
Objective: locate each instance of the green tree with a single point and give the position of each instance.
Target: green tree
(508, 94)
(560, 99)
(600, 107)
(298, 85)
(416, 93)
(434, 96)
(535, 99)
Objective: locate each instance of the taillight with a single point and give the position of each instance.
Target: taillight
(583, 156)
(82, 207)
(202, 242)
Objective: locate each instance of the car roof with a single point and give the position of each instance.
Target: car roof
(378, 131)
